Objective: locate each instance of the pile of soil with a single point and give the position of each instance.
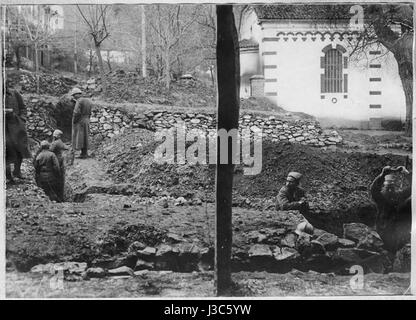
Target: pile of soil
(336, 182)
(51, 84)
(131, 87)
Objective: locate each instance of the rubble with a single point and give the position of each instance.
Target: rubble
(50, 84)
(122, 271)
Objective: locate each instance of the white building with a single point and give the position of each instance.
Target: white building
(298, 56)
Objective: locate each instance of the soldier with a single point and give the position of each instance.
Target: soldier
(393, 219)
(80, 123)
(16, 135)
(58, 147)
(47, 171)
(291, 196)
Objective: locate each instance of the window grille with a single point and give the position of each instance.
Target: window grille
(332, 79)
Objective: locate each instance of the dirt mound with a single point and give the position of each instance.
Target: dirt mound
(50, 84)
(130, 87)
(337, 183)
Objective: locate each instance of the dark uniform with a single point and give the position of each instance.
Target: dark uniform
(288, 199)
(393, 220)
(81, 125)
(57, 147)
(16, 135)
(48, 173)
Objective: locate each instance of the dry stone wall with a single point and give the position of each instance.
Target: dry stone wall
(107, 122)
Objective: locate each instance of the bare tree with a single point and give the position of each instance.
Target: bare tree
(96, 18)
(38, 32)
(392, 27)
(16, 37)
(169, 25)
(207, 23)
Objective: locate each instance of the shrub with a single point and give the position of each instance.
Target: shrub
(392, 125)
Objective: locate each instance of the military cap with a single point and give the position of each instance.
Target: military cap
(294, 176)
(57, 133)
(75, 91)
(44, 144)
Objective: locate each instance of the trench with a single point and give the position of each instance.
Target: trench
(179, 256)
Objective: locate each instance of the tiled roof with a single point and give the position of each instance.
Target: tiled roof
(248, 43)
(302, 11)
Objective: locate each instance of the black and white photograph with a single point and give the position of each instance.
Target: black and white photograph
(206, 150)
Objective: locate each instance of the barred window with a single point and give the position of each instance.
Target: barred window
(333, 80)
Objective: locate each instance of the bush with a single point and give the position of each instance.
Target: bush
(392, 125)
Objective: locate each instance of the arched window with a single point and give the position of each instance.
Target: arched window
(333, 80)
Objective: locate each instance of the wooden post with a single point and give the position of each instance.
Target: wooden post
(75, 47)
(228, 83)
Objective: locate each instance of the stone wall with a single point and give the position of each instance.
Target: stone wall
(40, 124)
(107, 122)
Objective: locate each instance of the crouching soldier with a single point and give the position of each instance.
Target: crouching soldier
(57, 147)
(291, 196)
(47, 171)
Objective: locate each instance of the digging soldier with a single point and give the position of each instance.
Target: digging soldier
(16, 135)
(58, 147)
(81, 123)
(291, 196)
(393, 219)
(47, 171)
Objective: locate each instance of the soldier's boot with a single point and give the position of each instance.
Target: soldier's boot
(84, 153)
(17, 164)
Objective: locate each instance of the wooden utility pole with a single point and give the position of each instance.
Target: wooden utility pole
(228, 83)
(75, 47)
(143, 41)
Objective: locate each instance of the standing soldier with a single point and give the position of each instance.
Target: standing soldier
(81, 123)
(291, 196)
(393, 220)
(16, 135)
(58, 147)
(47, 172)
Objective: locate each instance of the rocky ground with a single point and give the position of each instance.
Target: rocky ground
(201, 284)
(134, 228)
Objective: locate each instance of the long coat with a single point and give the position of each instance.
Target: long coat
(48, 174)
(16, 134)
(81, 124)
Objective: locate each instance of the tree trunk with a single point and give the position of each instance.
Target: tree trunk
(144, 69)
(90, 64)
(167, 70)
(101, 68)
(403, 55)
(408, 93)
(37, 68)
(17, 54)
(108, 61)
(75, 63)
(228, 83)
